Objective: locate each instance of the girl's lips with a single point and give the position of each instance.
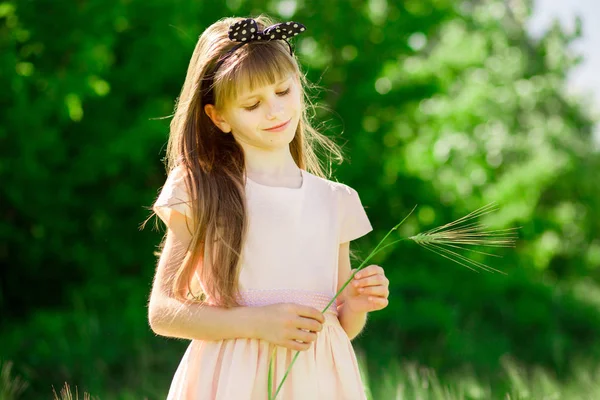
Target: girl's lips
(279, 128)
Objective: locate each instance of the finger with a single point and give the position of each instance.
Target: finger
(381, 291)
(309, 312)
(297, 346)
(303, 336)
(368, 271)
(380, 302)
(373, 280)
(309, 324)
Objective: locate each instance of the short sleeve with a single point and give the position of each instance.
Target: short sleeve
(173, 196)
(354, 221)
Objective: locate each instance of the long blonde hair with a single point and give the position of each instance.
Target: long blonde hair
(214, 162)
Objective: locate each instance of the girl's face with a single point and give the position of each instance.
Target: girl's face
(265, 118)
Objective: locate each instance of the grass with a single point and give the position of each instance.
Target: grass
(411, 381)
(414, 382)
(10, 387)
(66, 394)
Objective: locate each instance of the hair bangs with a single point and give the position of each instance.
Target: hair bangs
(256, 65)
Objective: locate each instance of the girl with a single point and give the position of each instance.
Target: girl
(257, 245)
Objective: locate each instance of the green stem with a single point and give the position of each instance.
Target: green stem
(361, 266)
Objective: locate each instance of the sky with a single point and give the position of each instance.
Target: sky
(584, 78)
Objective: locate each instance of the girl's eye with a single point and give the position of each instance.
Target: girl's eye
(255, 106)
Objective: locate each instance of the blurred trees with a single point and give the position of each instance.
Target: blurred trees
(442, 104)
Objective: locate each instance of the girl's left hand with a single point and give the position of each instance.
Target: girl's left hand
(368, 290)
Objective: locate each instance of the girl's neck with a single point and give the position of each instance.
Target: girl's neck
(274, 165)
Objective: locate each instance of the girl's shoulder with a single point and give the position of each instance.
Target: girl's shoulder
(353, 218)
(334, 187)
(174, 194)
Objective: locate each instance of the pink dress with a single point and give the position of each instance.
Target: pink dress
(290, 255)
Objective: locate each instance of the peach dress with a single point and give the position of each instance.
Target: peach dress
(290, 255)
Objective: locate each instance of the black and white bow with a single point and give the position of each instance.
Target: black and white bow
(247, 31)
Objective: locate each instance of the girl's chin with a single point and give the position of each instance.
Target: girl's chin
(283, 140)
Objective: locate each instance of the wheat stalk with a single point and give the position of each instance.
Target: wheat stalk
(455, 235)
(461, 233)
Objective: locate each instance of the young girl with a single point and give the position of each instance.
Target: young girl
(258, 239)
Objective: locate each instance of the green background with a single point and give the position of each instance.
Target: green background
(448, 105)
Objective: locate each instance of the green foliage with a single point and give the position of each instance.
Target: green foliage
(443, 104)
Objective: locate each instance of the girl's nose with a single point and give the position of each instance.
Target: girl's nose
(275, 109)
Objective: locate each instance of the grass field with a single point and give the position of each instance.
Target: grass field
(406, 382)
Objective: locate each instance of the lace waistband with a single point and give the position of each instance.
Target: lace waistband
(266, 297)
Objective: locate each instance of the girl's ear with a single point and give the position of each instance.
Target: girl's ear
(217, 118)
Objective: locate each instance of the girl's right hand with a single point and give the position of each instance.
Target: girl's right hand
(290, 325)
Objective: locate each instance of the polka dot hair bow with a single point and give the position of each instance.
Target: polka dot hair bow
(247, 31)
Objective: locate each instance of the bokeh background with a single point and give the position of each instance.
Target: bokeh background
(446, 104)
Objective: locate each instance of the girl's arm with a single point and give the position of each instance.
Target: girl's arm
(353, 323)
(170, 317)
(289, 325)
